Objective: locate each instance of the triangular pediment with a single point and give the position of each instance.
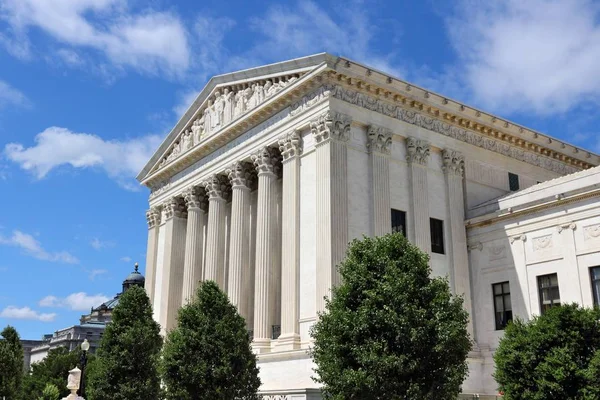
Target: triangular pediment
(226, 99)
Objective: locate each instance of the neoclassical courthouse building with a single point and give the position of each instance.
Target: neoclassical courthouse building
(273, 170)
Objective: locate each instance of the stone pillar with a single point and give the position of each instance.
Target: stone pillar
(331, 132)
(153, 218)
(195, 200)
(517, 244)
(417, 156)
(243, 178)
(453, 167)
(218, 191)
(379, 144)
(291, 148)
(567, 232)
(267, 165)
(174, 254)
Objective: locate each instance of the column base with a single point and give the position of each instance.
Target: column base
(261, 346)
(288, 341)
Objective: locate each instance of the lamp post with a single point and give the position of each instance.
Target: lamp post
(85, 346)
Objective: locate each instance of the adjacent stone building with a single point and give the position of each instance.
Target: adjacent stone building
(273, 170)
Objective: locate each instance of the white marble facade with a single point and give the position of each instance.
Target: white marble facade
(273, 170)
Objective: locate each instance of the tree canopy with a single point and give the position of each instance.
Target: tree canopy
(390, 330)
(127, 359)
(554, 356)
(11, 363)
(208, 355)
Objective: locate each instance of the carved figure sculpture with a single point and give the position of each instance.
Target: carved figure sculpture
(229, 106)
(208, 117)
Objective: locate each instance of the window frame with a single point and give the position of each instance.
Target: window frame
(514, 178)
(553, 302)
(437, 247)
(500, 326)
(403, 218)
(595, 288)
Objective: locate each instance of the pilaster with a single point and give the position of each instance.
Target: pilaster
(218, 191)
(379, 144)
(331, 132)
(417, 156)
(267, 162)
(517, 244)
(195, 200)
(567, 233)
(153, 218)
(172, 277)
(290, 146)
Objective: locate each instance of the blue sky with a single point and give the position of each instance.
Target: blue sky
(89, 88)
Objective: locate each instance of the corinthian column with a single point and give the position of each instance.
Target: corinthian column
(174, 250)
(242, 177)
(153, 218)
(267, 165)
(218, 192)
(379, 144)
(331, 132)
(417, 155)
(291, 148)
(454, 166)
(195, 200)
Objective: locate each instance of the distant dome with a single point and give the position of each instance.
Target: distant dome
(134, 279)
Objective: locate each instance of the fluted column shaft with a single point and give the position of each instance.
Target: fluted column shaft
(453, 166)
(264, 292)
(291, 147)
(174, 251)
(379, 143)
(418, 158)
(217, 189)
(192, 270)
(241, 177)
(153, 218)
(331, 132)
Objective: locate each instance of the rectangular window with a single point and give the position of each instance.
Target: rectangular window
(513, 182)
(437, 235)
(548, 291)
(502, 304)
(595, 278)
(399, 221)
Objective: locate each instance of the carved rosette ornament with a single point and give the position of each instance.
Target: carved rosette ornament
(174, 207)
(217, 187)
(242, 173)
(267, 161)
(453, 162)
(290, 145)
(195, 197)
(379, 139)
(417, 151)
(153, 217)
(331, 125)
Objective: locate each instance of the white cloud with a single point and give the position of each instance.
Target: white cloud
(26, 313)
(80, 301)
(9, 96)
(530, 56)
(150, 42)
(99, 244)
(33, 247)
(120, 159)
(126, 259)
(96, 272)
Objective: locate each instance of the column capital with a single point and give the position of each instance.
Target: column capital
(242, 174)
(453, 162)
(290, 145)
(153, 217)
(267, 161)
(417, 151)
(379, 139)
(331, 125)
(174, 207)
(217, 187)
(195, 197)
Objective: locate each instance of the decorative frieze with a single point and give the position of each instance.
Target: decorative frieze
(591, 232)
(174, 207)
(267, 161)
(217, 187)
(290, 145)
(153, 217)
(453, 162)
(379, 139)
(331, 125)
(542, 243)
(417, 151)
(242, 173)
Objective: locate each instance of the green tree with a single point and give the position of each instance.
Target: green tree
(554, 356)
(390, 330)
(126, 361)
(208, 355)
(50, 392)
(11, 363)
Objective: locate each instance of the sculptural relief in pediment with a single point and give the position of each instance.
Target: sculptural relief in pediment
(223, 106)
